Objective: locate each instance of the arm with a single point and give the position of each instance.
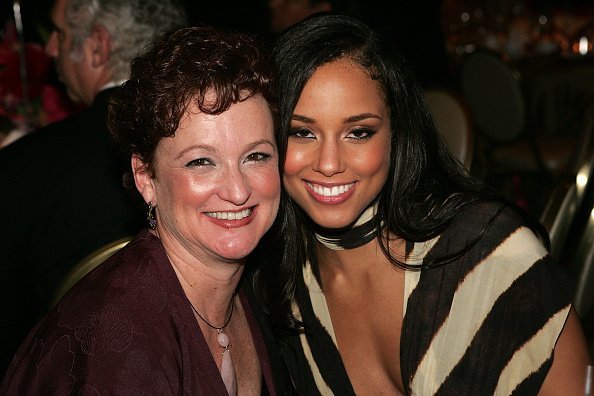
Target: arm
(571, 356)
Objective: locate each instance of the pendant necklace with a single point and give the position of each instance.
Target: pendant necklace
(227, 370)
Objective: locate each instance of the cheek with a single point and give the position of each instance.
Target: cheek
(293, 166)
(188, 189)
(267, 183)
(64, 50)
(198, 186)
(294, 161)
(370, 164)
(374, 161)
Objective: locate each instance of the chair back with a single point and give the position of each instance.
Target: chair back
(567, 197)
(583, 267)
(493, 92)
(583, 161)
(452, 120)
(86, 265)
(559, 213)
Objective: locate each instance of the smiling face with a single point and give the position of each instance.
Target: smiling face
(338, 152)
(216, 184)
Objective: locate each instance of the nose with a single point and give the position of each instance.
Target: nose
(235, 187)
(329, 161)
(51, 47)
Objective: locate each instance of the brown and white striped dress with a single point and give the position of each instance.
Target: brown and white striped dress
(484, 324)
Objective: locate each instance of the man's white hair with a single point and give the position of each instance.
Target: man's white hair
(131, 24)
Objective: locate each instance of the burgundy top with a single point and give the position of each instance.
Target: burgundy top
(125, 328)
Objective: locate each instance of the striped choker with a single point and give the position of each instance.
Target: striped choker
(361, 233)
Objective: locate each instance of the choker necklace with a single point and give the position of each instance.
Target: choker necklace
(359, 234)
(227, 370)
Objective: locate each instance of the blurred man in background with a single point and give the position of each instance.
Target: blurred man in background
(62, 190)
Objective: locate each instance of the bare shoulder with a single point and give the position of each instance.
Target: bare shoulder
(567, 375)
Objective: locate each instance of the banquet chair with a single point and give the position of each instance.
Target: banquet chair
(567, 198)
(452, 120)
(583, 268)
(493, 90)
(86, 265)
(582, 164)
(578, 252)
(559, 213)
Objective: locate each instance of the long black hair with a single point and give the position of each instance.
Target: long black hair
(426, 187)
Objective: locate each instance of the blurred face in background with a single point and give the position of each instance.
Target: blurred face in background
(71, 63)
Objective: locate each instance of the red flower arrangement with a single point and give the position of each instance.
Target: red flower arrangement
(47, 102)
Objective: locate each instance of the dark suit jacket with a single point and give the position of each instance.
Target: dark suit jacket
(62, 197)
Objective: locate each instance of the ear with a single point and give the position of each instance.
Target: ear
(143, 180)
(100, 46)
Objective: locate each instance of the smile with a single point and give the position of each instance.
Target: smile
(230, 215)
(333, 191)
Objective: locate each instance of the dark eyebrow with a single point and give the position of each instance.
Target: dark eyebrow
(301, 118)
(348, 120)
(360, 117)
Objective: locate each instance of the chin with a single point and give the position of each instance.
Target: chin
(235, 253)
(334, 222)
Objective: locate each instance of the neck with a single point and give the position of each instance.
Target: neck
(347, 260)
(213, 306)
(219, 326)
(360, 233)
(209, 284)
(355, 268)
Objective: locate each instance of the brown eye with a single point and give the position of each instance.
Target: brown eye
(258, 157)
(199, 162)
(302, 133)
(360, 134)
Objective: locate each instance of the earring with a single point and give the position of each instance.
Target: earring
(150, 216)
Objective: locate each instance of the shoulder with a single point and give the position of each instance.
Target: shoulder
(493, 241)
(489, 213)
(43, 144)
(122, 319)
(71, 129)
(134, 281)
(499, 289)
(491, 223)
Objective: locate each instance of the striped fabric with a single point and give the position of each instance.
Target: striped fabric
(485, 324)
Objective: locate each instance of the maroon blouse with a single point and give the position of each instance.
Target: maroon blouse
(126, 328)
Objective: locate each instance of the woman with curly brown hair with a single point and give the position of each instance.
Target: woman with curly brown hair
(167, 314)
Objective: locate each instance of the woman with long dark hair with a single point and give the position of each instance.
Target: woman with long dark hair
(406, 275)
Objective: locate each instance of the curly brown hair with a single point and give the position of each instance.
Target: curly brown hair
(183, 67)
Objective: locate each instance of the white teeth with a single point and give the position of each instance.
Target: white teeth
(230, 215)
(331, 191)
